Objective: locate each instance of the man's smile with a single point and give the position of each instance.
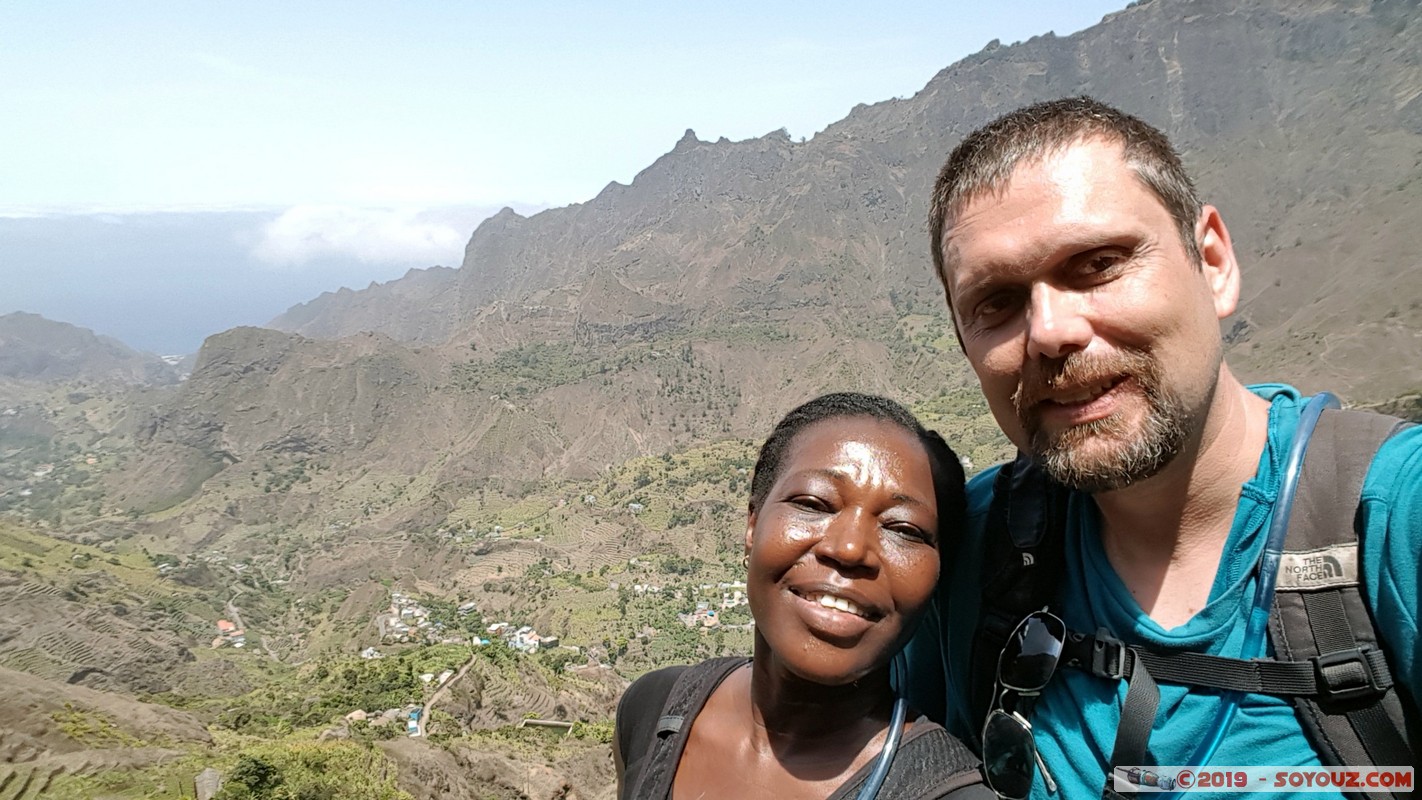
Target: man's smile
(1067, 397)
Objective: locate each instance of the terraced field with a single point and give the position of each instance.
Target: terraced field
(507, 558)
(26, 781)
(507, 696)
(603, 545)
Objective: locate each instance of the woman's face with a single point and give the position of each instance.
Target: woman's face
(844, 551)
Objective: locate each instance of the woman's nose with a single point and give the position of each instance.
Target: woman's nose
(850, 539)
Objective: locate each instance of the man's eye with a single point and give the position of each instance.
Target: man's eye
(994, 307)
(1101, 264)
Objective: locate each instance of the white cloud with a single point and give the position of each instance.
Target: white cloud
(401, 236)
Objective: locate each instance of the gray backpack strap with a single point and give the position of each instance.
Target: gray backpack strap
(1357, 718)
(930, 765)
(658, 757)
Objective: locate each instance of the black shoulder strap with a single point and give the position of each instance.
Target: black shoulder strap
(637, 712)
(927, 766)
(1329, 658)
(1357, 716)
(654, 752)
(1023, 564)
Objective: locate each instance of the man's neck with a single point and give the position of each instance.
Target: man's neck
(1164, 536)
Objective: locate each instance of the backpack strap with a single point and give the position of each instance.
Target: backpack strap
(655, 718)
(1329, 659)
(637, 712)
(928, 765)
(1024, 563)
(1320, 617)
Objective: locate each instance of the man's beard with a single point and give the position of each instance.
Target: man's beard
(1129, 455)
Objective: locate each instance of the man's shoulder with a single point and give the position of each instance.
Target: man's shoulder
(980, 491)
(1397, 465)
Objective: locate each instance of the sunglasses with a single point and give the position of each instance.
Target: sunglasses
(1024, 668)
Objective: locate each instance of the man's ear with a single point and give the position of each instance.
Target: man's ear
(1217, 261)
(750, 531)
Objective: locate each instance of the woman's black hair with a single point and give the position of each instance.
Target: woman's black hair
(948, 479)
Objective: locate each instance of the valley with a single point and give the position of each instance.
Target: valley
(470, 498)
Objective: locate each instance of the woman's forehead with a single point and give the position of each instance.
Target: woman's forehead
(856, 441)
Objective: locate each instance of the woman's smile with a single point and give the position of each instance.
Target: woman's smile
(843, 553)
(833, 619)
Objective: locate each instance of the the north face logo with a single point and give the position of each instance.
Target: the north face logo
(1319, 569)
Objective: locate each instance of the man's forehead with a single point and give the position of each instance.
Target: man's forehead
(1078, 163)
(1070, 185)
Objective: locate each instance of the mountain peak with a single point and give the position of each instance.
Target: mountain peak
(687, 141)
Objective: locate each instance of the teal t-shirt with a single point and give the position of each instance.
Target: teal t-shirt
(1075, 719)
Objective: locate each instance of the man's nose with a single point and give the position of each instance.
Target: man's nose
(1056, 322)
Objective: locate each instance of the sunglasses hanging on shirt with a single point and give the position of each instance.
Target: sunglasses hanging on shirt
(1024, 668)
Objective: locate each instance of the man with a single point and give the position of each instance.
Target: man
(1086, 282)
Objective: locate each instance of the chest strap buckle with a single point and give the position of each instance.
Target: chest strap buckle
(1108, 655)
(1346, 675)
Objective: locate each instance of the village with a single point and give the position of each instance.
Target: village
(706, 613)
(408, 621)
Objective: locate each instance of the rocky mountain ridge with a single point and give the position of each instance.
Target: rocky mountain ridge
(1301, 120)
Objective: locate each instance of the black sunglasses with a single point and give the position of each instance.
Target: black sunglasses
(1024, 668)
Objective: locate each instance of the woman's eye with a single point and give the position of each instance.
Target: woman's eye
(809, 503)
(910, 531)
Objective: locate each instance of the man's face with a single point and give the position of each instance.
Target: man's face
(1094, 336)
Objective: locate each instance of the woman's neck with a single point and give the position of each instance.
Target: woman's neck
(791, 714)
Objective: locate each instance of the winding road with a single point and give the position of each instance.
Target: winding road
(440, 692)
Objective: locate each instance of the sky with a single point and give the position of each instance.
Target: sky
(317, 145)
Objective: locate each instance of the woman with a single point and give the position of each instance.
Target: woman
(850, 502)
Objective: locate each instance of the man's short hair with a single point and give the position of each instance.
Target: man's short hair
(985, 160)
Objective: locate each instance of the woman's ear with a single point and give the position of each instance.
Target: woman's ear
(750, 531)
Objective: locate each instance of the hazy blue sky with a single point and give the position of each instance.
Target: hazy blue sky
(377, 134)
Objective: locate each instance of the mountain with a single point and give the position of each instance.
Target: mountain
(558, 434)
(732, 280)
(33, 348)
(383, 307)
(1301, 120)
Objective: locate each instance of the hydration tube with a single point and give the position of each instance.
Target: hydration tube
(1254, 645)
(885, 759)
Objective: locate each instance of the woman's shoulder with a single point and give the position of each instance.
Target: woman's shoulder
(662, 700)
(650, 691)
(644, 704)
(654, 684)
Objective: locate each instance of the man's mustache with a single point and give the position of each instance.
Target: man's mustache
(1042, 378)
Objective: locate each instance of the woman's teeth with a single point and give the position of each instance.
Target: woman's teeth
(831, 601)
